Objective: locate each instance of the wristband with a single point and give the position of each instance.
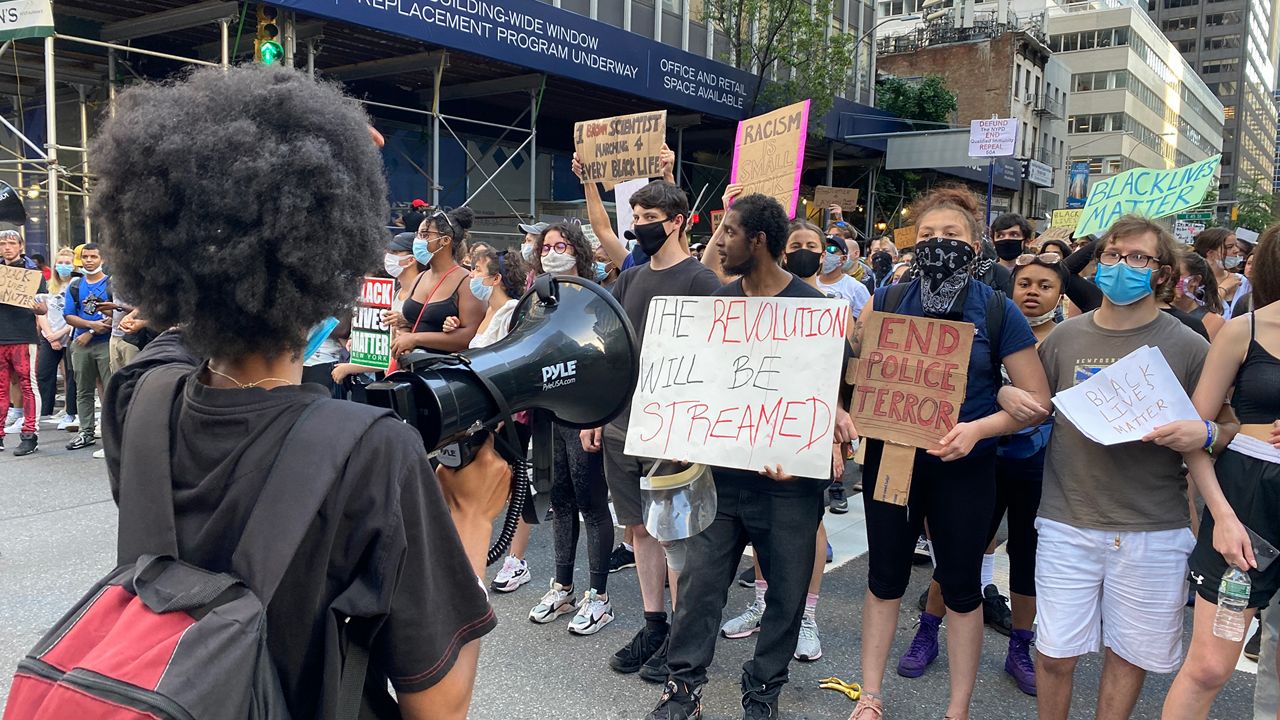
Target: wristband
(1208, 436)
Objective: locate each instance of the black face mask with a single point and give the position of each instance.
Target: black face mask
(882, 263)
(1008, 249)
(651, 236)
(803, 263)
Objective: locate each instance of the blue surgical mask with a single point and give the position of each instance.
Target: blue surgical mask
(421, 253)
(319, 334)
(1122, 284)
(526, 251)
(480, 290)
(1231, 262)
(64, 269)
(602, 271)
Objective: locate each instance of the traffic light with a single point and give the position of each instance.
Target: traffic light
(266, 45)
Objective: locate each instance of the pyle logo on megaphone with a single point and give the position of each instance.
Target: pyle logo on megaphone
(559, 375)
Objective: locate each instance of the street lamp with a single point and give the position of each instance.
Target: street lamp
(857, 54)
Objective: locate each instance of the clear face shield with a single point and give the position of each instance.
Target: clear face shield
(678, 502)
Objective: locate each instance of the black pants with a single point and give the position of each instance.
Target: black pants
(577, 484)
(955, 497)
(781, 529)
(47, 361)
(322, 374)
(1018, 485)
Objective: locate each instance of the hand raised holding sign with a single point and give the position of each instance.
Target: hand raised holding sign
(731, 193)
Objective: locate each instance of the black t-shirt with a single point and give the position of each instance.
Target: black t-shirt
(754, 480)
(639, 284)
(412, 220)
(18, 324)
(1189, 320)
(382, 547)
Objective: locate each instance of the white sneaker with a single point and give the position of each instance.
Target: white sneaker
(514, 573)
(809, 647)
(558, 601)
(593, 614)
(924, 550)
(746, 624)
(100, 454)
(69, 423)
(14, 427)
(15, 414)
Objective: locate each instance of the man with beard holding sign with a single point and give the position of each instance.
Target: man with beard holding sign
(776, 512)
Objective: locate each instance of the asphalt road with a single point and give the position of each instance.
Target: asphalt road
(57, 536)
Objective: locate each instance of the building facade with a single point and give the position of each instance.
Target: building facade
(1232, 44)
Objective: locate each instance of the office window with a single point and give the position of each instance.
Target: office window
(1180, 3)
(1221, 65)
(1224, 89)
(1176, 24)
(1017, 82)
(1223, 42)
(1231, 17)
(1229, 112)
(1186, 46)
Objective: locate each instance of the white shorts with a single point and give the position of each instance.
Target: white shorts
(1122, 590)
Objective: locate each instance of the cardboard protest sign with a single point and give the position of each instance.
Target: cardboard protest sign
(1055, 233)
(1065, 219)
(370, 339)
(740, 382)
(18, 286)
(1152, 193)
(716, 217)
(1126, 400)
(620, 148)
(908, 389)
(824, 196)
(768, 154)
(905, 237)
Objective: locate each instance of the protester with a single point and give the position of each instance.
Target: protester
(1245, 303)
(441, 290)
(1240, 488)
(602, 226)
(18, 338)
(954, 483)
(89, 339)
(832, 279)
(1010, 234)
(382, 557)
(412, 219)
(660, 211)
(1112, 556)
(884, 244)
(1219, 247)
(779, 514)
(55, 336)
(1061, 247)
(1196, 292)
(477, 250)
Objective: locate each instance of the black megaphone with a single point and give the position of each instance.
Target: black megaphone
(11, 208)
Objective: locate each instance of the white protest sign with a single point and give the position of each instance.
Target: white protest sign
(622, 193)
(1247, 235)
(993, 138)
(1127, 400)
(740, 382)
(1185, 231)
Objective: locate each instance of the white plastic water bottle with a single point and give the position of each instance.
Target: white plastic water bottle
(1233, 597)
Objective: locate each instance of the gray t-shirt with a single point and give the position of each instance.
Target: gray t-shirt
(639, 284)
(1135, 486)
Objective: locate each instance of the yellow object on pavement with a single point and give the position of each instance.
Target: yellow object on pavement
(850, 690)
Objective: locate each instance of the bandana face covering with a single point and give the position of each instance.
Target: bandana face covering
(943, 267)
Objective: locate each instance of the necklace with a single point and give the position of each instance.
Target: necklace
(246, 386)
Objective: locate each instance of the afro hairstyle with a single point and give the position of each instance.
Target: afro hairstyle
(759, 213)
(244, 205)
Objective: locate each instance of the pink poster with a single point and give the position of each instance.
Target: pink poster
(768, 154)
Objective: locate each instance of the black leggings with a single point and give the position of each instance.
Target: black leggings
(950, 496)
(47, 361)
(577, 484)
(1018, 485)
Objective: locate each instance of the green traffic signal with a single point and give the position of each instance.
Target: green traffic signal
(270, 52)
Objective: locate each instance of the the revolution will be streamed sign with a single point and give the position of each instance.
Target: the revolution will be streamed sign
(740, 382)
(768, 154)
(621, 148)
(370, 338)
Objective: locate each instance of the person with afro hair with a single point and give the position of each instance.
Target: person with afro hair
(240, 252)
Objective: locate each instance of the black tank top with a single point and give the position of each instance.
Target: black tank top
(431, 318)
(1257, 395)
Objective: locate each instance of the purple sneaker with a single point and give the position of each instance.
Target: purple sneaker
(1019, 663)
(924, 648)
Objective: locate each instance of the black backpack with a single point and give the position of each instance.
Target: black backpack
(894, 294)
(162, 638)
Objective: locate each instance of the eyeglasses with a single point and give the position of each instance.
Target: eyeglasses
(1136, 261)
(1048, 258)
(559, 247)
(429, 235)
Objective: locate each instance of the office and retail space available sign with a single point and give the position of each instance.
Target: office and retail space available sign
(1142, 191)
(740, 382)
(997, 137)
(536, 35)
(768, 154)
(621, 148)
(370, 338)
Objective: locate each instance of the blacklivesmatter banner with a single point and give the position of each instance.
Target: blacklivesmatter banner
(740, 382)
(370, 339)
(1142, 191)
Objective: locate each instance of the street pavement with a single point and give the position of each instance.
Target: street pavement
(57, 536)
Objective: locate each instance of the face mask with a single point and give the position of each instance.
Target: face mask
(848, 264)
(421, 253)
(318, 335)
(1183, 284)
(391, 263)
(1122, 284)
(64, 269)
(558, 263)
(882, 263)
(830, 263)
(942, 264)
(480, 290)
(1041, 319)
(803, 263)
(1231, 262)
(602, 271)
(526, 251)
(1008, 249)
(651, 236)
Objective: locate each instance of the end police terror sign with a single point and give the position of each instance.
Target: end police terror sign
(1142, 191)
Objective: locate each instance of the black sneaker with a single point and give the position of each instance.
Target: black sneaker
(1254, 646)
(747, 578)
(27, 446)
(1, 443)
(654, 669)
(995, 610)
(839, 503)
(679, 702)
(753, 708)
(642, 647)
(621, 559)
(81, 440)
